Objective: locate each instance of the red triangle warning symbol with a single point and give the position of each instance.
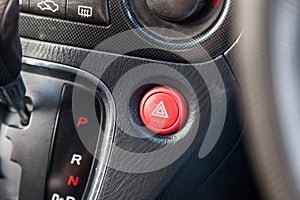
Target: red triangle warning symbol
(160, 111)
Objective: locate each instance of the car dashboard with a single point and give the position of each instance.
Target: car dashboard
(129, 99)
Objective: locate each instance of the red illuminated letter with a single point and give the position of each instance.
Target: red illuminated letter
(82, 121)
(73, 181)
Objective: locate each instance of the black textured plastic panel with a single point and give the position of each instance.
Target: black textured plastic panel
(90, 36)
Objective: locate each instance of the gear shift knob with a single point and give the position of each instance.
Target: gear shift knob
(12, 88)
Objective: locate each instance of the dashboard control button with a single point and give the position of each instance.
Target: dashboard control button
(51, 8)
(92, 11)
(24, 5)
(71, 160)
(163, 110)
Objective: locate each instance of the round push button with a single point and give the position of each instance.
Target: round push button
(163, 110)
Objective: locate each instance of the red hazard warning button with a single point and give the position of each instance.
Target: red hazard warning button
(163, 110)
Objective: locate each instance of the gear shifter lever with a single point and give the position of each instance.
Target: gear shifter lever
(12, 88)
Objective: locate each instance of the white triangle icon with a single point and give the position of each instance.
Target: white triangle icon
(160, 111)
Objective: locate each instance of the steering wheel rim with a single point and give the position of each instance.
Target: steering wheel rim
(272, 94)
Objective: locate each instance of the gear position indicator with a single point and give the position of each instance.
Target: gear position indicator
(56, 196)
(71, 160)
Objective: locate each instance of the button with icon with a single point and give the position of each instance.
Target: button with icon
(163, 110)
(92, 11)
(24, 5)
(52, 8)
